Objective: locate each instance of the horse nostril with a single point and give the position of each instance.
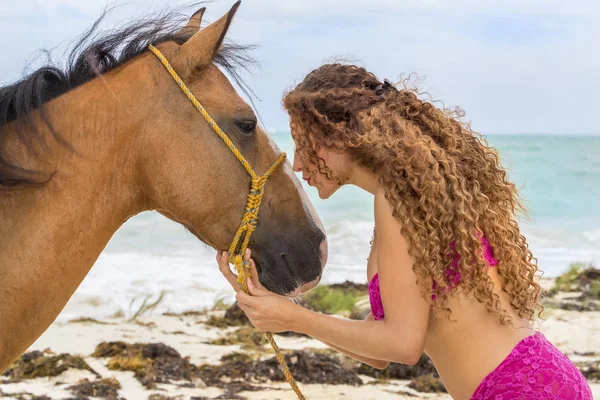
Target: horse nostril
(287, 263)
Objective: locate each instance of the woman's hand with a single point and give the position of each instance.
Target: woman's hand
(267, 311)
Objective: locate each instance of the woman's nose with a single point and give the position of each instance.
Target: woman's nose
(297, 164)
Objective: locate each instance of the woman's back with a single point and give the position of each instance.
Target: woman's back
(473, 342)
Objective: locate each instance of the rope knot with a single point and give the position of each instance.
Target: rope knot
(257, 185)
(243, 270)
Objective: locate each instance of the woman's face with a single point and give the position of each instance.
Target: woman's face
(336, 161)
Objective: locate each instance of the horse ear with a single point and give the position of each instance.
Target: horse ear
(201, 48)
(193, 24)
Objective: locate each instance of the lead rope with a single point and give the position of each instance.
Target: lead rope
(248, 225)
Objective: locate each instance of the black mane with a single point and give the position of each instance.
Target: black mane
(94, 54)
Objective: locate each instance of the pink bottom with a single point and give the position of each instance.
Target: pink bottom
(535, 369)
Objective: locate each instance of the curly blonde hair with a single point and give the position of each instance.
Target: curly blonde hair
(445, 184)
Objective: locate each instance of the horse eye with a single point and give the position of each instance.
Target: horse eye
(247, 126)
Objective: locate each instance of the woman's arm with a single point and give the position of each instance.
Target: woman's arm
(400, 337)
(379, 364)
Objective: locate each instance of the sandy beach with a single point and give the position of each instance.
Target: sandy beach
(210, 354)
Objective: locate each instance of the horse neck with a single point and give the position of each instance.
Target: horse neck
(97, 166)
(51, 236)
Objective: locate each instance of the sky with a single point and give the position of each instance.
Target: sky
(514, 66)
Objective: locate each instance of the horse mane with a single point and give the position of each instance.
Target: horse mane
(95, 53)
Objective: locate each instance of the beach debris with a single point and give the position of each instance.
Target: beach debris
(107, 388)
(586, 353)
(583, 280)
(117, 314)
(36, 364)
(579, 278)
(179, 332)
(26, 396)
(575, 304)
(225, 396)
(189, 313)
(158, 396)
(234, 316)
(239, 372)
(427, 383)
(152, 363)
(87, 320)
(400, 371)
(146, 307)
(590, 370)
(423, 376)
(246, 336)
(156, 363)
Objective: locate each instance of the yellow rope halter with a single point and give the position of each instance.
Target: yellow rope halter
(248, 225)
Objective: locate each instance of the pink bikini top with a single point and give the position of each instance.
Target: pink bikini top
(452, 273)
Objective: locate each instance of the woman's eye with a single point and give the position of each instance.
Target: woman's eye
(246, 126)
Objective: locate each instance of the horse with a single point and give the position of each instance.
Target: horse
(85, 148)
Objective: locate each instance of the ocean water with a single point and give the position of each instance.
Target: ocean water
(559, 178)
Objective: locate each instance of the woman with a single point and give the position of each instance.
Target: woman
(449, 272)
